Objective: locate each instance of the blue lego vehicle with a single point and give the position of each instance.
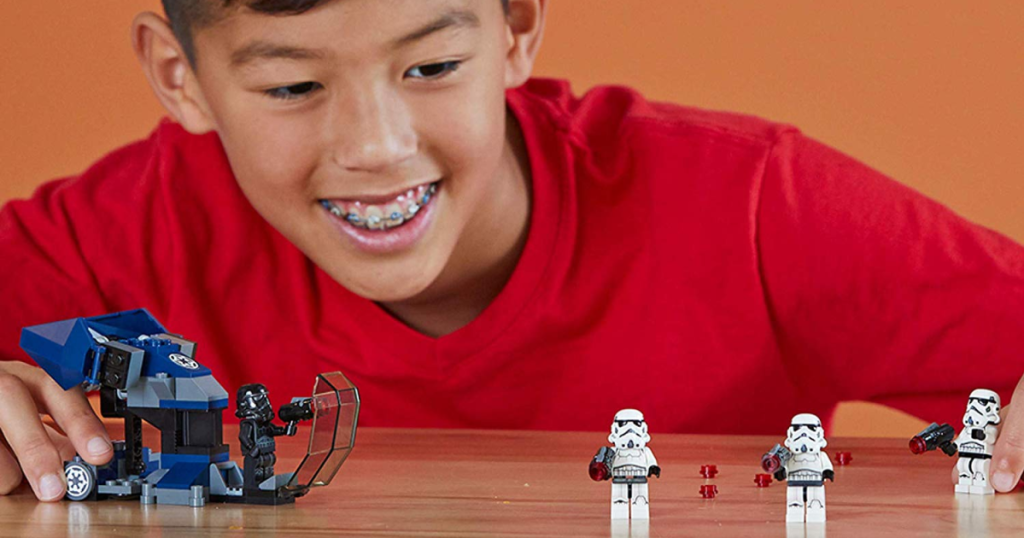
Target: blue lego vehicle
(144, 373)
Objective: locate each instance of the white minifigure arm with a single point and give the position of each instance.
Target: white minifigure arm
(990, 435)
(826, 463)
(652, 463)
(826, 468)
(651, 460)
(963, 436)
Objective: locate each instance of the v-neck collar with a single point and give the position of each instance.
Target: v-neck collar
(549, 166)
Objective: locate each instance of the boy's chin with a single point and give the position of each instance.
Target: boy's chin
(391, 288)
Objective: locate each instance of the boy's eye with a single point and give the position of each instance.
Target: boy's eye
(434, 71)
(294, 91)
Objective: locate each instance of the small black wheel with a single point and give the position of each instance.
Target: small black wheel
(81, 480)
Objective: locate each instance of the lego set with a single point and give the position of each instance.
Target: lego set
(145, 373)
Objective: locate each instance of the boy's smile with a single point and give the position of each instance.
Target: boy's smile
(372, 222)
(374, 135)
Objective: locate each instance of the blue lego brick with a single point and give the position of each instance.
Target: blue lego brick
(169, 460)
(184, 475)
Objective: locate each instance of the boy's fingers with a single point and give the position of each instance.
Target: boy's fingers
(40, 462)
(1008, 454)
(71, 411)
(66, 450)
(10, 472)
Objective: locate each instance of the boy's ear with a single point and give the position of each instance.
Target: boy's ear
(169, 72)
(525, 27)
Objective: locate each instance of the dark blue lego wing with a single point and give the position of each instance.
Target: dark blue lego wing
(64, 348)
(61, 348)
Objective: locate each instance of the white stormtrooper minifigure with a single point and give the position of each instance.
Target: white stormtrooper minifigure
(976, 441)
(804, 467)
(628, 464)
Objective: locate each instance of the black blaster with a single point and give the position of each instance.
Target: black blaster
(299, 409)
(932, 437)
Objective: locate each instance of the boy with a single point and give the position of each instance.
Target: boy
(376, 187)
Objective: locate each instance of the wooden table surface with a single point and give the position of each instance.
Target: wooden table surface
(401, 482)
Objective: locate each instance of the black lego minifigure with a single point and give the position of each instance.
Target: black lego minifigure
(256, 433)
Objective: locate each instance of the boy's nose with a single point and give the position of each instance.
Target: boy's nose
(373, 131)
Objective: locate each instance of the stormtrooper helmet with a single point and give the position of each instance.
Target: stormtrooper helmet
(805, 434)
(982, 409)
(629, 430)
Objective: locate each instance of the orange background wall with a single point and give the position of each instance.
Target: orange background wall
(930, 93)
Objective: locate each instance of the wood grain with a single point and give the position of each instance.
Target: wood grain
(401, 482)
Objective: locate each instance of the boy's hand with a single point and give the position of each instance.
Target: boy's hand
(1008, 454)
(25, 392)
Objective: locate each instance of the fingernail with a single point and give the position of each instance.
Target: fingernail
(50, 487)
(98, 446)
(1003, 481)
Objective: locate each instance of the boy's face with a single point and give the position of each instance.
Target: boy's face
(370, 133)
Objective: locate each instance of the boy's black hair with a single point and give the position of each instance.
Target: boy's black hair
(187, 15)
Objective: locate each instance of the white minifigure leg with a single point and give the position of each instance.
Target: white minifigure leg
(816, 504)
(620, 501)
(963, 469)
(641, 503)
(795, 504)
(979, 479)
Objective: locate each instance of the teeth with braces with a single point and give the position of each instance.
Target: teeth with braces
(374, 222)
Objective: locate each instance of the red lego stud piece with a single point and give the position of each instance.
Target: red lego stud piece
(708, 471)
(708, 491)
(843, 458)
(763, 480)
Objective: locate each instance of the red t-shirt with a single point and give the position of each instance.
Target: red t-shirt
(717, 271)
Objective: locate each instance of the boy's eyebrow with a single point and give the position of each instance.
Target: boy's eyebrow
(264, 50)
(456, 18)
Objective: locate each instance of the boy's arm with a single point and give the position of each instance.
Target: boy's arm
(878, 293)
